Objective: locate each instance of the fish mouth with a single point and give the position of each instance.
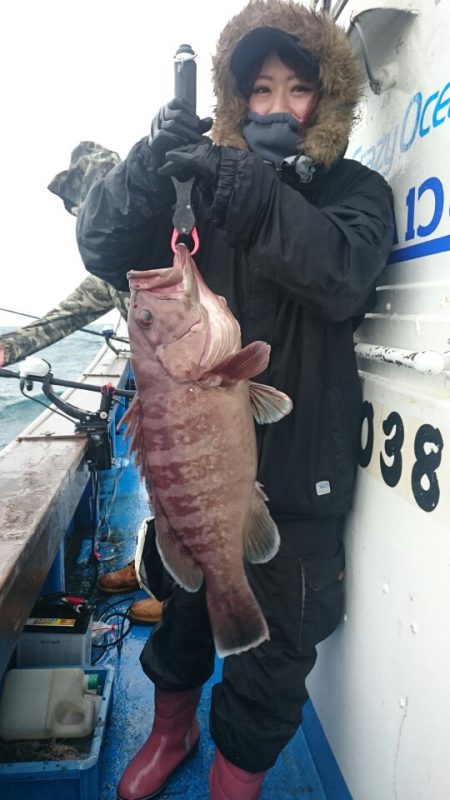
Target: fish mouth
(169, 281)
(165, 280)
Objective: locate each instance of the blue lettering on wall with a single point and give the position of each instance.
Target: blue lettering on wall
(443, 102)
(424, 128)
(422, 116)
(411, 122)
(411, 206)
(433, 185)
(413, 229)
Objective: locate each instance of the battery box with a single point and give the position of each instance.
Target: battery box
(57, 633)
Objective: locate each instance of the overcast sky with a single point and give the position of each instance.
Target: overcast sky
(90, 70)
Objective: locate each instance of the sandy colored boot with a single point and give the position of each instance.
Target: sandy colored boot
(122, 580)
(147, 611)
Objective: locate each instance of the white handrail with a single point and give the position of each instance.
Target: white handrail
(428, 362)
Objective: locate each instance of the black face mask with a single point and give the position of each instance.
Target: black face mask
(276, 138)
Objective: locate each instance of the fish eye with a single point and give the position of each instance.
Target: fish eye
(145, 317)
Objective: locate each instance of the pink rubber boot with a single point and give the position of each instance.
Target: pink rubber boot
(228, 782)
(174, 736)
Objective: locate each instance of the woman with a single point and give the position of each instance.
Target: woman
(295, 237)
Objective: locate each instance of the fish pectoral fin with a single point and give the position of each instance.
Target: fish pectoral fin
(268, 404)
(247, 363)
(175, 557)
(262, 540)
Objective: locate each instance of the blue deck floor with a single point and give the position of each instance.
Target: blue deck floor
(123, 504)
(293, 777)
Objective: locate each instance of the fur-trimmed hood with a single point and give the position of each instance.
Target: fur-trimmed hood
(340, 80)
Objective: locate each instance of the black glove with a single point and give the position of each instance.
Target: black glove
(214, 167)
(200, 161)
(175, 125)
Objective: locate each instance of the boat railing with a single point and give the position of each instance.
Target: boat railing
(44, 473)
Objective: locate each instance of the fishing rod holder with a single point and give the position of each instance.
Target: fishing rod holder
(95, 424)
(109, 334)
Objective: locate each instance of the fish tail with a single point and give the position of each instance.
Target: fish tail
(236, 620)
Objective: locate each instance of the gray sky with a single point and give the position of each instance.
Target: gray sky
(94, 69)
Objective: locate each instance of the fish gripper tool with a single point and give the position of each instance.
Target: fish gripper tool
(184, 218)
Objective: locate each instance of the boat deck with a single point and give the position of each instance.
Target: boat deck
(306, 768)
(297, 774)
(294, 776)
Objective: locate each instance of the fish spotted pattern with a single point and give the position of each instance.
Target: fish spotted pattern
(192, 430)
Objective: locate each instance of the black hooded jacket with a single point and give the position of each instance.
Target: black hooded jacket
(297, 262)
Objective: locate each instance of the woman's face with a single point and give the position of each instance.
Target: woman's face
(279, 90)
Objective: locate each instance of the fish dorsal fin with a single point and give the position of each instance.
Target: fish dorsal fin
(268, 404)
(247, 363)
(262, 539)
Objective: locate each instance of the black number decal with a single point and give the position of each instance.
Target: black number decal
(392, 447)
(365, 452)
(424, 483)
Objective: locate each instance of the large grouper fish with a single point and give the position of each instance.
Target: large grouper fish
(192, 430)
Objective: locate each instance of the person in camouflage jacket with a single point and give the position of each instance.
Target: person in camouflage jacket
(94, 296)
(90, 300)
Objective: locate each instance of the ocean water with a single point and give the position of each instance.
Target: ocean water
(68, 358)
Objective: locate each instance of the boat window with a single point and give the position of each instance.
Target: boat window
(336, 7)
(376, 32)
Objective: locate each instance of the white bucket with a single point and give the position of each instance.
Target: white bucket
(46, 704)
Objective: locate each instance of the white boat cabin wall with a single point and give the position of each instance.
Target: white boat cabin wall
(381, 684)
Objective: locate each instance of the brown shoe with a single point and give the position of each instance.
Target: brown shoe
(122, 580)
(147, 611)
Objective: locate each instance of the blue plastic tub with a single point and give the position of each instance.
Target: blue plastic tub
(63, 780)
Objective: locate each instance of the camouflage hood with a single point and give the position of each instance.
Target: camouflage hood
(326, 136)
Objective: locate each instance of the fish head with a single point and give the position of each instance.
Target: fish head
(167, 320)
(164, 304)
